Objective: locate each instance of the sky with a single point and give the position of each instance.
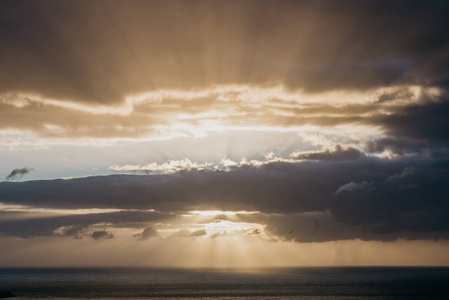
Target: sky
(224, 133)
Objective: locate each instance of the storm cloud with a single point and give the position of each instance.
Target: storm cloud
(358, 194)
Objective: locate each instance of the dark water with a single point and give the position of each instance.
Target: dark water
(291, 283)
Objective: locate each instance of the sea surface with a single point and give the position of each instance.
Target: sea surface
(279, 283)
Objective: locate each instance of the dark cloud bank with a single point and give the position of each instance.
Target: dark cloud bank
(78, 225)
(365, 198)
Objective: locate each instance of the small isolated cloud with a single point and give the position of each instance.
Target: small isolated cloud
(147, 233)
(18, 173)
(101, 234)
(406, 172)
(77, 231)
(354, 186)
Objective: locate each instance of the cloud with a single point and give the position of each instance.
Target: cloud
(219, 234)
(309, 227)
(183, 113)
(339, 153)
(77, 225)
(147, 233)
(325, 226)
(286, 46)
(183, 233)
(343, 188)
(353, 186)
(398, 94)
(77, 231)
(18, 173)
(406, 172)
(256, 231)
(197, 233)
(172, 166)
(101, 234)
(275, 76)
(370, 115)
(186, 191)
(419, 129)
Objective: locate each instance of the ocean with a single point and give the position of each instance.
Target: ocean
(340, 283)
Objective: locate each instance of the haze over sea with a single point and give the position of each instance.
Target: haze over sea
(275, 283)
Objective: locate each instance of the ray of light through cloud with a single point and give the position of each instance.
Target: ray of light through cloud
(303, 133)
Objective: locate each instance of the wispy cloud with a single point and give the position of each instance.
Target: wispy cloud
(354, 186)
